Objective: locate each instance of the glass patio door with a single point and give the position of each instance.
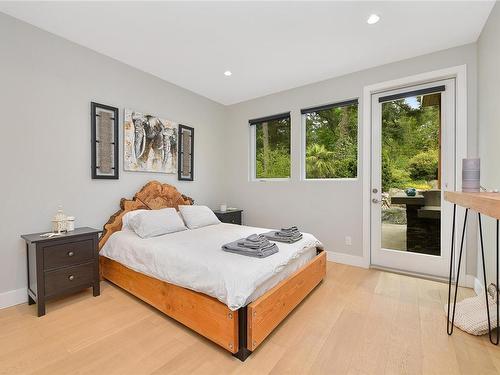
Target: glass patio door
(413, 162)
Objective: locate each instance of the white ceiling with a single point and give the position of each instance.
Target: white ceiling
(269, 46)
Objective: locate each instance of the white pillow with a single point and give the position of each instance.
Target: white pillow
(152, 223)
(128, 216)
(198, 216)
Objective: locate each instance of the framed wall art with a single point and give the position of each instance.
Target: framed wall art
(104, 134)
(150, 143)
(186, 153)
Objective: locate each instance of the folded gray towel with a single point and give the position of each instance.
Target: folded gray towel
(233, 247)
(255, 238)
(254, 245)
(287, 234)
(273, 236)
(292, 232)
(254, 241)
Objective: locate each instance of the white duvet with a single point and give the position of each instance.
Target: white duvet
(194, 259)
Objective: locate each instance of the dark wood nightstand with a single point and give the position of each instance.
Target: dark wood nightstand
(229, 216)
(61, 265)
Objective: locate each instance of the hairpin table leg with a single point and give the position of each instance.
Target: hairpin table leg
(496, 289)
(449, 328)
(451, 269)
(485, 284)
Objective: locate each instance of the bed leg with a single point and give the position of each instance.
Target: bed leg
(243, 353)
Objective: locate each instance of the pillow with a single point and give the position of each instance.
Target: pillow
(198, 216)
(152, 223)
(128, 216)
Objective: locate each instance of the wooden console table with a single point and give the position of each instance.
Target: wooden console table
(483, 203)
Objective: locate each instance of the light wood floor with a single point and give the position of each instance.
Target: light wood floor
(356, 322)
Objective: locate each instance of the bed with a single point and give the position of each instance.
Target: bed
(234, 301)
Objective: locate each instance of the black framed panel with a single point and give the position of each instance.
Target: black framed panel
(279, 116)
(185, 163)
(430, 90)
(104, 141)
(344, 103)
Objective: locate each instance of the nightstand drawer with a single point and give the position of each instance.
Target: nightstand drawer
(230, 217)
(68, 278)
(68, 253)
(233, 218)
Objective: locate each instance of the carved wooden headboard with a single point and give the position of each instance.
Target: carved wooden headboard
(153, 196)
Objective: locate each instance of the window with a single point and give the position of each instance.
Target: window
(330, 144)
(271, 146)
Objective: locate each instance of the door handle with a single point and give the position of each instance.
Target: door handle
(375, 200)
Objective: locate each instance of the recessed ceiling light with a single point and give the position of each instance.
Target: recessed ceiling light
(227, 73)
(373, 19)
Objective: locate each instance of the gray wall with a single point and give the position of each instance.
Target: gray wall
(329, 209)
(47, 84)
(489, 121)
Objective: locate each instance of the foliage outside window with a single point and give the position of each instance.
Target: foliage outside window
(410, 142)
(272, 148)
(332, 142)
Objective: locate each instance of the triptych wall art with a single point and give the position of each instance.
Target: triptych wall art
(150, 144)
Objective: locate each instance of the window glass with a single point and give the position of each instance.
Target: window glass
(272, 148)
(331, 144)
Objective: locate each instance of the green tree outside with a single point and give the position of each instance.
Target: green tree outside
(332, 143)
(272, 149)
(410, 143)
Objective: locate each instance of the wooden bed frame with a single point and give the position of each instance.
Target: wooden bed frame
(240, 332)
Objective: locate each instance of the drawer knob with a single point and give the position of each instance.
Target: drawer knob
(71, 253)
(71, 277)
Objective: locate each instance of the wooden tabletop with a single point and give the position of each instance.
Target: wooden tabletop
(485, 203)
(416, 200)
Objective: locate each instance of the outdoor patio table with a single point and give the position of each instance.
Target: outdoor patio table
(420, 236)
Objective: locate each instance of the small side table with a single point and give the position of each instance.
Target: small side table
(61, 265)
(484, 204)
(229, 216)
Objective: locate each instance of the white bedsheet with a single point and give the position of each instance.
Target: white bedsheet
(194, 259)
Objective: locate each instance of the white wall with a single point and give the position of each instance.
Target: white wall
(46, 86)
(489, 122)
(329, 209)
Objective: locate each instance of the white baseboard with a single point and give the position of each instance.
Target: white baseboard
(13, 297)
(351, 260)
(470, 281)
(478, 286)
(473, 282)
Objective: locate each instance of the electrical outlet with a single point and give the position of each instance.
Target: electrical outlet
(348, 240)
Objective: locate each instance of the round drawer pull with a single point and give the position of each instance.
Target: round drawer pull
(71, 277)
(71, 253)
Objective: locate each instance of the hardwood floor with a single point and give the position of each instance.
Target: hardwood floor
(356, 322)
